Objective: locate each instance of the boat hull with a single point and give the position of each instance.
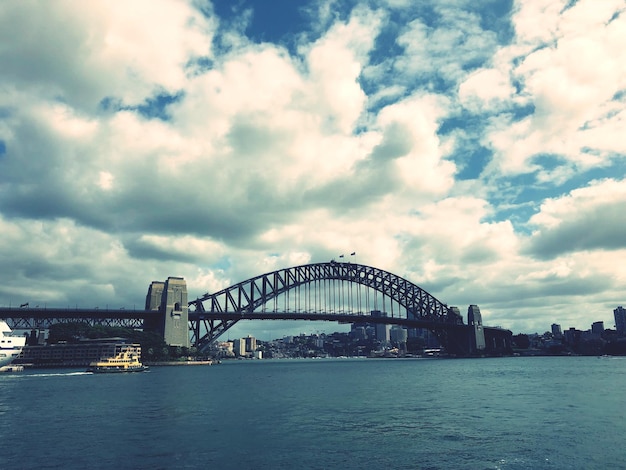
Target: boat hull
(116, 370)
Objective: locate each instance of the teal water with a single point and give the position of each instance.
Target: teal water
(505, 413)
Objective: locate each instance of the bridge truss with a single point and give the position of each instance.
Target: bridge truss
(43, 318)
(344, 292)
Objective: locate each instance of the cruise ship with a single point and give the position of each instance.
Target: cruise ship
(10, 346)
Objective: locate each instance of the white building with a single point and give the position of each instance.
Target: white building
(239, 347)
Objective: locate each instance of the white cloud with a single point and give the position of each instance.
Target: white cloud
(571, 71)
(453, 232)
(105, 180)
(588, 218)
(335, 62)
(411, 125)
(485, 89)
(537, 21)
(83, 52)
(456, 42)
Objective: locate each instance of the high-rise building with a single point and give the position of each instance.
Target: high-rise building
(398, 335)
(557, 332)
(620, 320)
(357, 332)
(597, 328)
(382, 329)
(382, 332)
(250, 343)
(239, 347)
(572, 336)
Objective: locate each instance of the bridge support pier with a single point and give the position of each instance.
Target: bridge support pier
(169, 299)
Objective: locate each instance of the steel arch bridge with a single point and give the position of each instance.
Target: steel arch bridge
(332, 291)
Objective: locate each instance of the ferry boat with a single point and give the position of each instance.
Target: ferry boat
(126, 360)
(10, 346)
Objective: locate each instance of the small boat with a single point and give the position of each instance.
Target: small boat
(127, 360)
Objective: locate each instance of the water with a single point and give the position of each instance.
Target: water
(509, 413)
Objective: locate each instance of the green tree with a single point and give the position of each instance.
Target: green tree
(521, 341)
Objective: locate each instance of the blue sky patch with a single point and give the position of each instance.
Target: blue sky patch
(278, 21)
(154, 107)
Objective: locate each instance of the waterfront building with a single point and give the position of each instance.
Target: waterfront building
(572, 336)
(382, 332)
(382, 329)
(76, 354)
(358, 332)
(557, 332)
(426, 337)
(398, 335)
(250, 343)
(620, 320)
(225, 349)
(475, 321)
(239, 347)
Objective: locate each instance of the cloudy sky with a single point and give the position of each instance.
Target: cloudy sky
(474, 147)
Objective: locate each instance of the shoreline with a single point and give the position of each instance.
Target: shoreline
(179, 363)
(80, 365)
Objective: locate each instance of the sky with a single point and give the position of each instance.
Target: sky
(475, 148)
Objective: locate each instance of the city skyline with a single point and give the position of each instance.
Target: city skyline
(473, 148)
(260, 326)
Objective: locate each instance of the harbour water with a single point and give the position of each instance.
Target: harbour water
(501, 413)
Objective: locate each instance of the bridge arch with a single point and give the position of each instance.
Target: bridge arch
(219, 311)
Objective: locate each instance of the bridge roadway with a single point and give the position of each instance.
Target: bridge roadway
(36, 318)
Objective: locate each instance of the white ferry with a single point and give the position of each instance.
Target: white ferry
(10, 346)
